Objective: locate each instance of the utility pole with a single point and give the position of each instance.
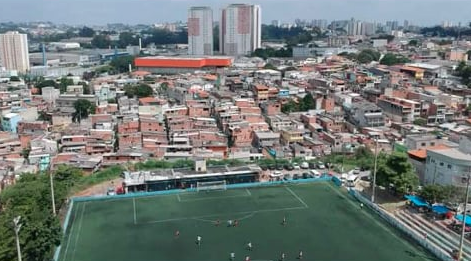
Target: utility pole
(374, 172)
(51, 180)
(463, 228)
(17, 227)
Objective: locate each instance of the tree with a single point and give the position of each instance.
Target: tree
(25, 152)
(433, 193)
(40, 232)
(420, 121)
(350, 56)
(163, 87)
(392, 59)
(290, 106)
(464, 71)
(83, 108)
(63, 83)
(86, 32)
(269, 66)
(307, 103)
(126, 39)
(368, 56)
(265, 53)
(86, 88)
(413, 42)
(140, 91)
(397, 172)
(121, 64)
(101, 41)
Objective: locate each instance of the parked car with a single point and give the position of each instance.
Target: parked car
(304, 165)
(315, 173)
(305, 175)
(295, 176)
(289, 167)
(286, 177)
(264, 167)
(312, 165)
(271, 167)
(279, 167)
(320, 165)
(296, 166)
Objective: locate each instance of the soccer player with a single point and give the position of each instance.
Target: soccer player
(236, 223)
(229, 223)
(177, 233)
(217, 223)
(284, 221)
(198, 240)
(232, 256)
(361, 205)
(282, 258)
(300, 255)
(247, 258)
(249, 246)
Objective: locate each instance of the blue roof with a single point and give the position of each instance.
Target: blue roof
(417, 201)
(467, 219)
(439, 209)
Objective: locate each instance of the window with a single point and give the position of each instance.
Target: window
(423, 144)
(449, 166)
(432, 143)
(441, 164)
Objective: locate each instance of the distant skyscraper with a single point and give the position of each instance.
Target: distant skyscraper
(406, 24)
(200, 31)
(240, 29)
(14, 51)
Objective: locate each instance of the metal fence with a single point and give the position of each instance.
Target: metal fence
(392, 221)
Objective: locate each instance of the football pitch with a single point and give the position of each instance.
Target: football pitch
(321, 220)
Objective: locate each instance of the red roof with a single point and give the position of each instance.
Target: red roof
(183, 62)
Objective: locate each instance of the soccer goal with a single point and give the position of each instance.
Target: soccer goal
(211, 185)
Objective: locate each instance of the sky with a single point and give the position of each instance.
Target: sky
(101, 12)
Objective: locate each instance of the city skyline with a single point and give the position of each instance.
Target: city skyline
(100, 12)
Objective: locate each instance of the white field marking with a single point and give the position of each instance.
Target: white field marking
(248, 192)
(210, 198)
(79, 230)
(372, 218)
(134, 208)
(296, 196)
(70, 233)
(218, 215)
(178, 198)
(212, 221)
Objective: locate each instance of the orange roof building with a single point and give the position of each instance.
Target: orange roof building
(181, 64)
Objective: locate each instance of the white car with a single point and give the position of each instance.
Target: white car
(304, 165)
(296, 166)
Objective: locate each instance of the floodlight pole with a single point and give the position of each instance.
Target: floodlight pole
(374, 172)
(463, 228)
(17, 227)
(51, 182)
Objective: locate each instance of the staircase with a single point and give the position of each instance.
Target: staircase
(443, 239)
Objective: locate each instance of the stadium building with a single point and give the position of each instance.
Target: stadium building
(165, 179)
(175, 65)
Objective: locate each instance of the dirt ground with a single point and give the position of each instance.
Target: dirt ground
(99, 189)
(382, 197)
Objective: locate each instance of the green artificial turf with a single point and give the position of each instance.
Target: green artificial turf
(322, 220)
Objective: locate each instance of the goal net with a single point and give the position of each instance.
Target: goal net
(211, 185)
